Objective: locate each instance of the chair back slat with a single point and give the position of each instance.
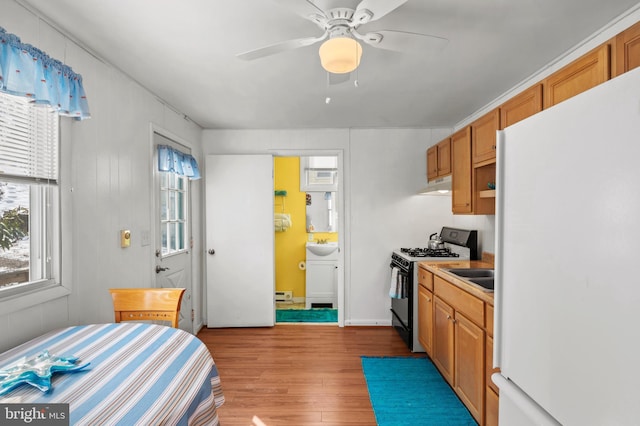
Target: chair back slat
(134, 304)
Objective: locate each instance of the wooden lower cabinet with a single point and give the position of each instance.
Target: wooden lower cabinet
(461, 343)
(491, 390)
(491, 406)
(443, 338)
(425, 319)
(469, 365)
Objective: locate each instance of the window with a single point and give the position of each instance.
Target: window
(29, 198)
(173, 212)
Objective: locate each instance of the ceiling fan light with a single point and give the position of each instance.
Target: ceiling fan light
(340, 55)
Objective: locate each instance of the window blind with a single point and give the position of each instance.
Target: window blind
(28, 140)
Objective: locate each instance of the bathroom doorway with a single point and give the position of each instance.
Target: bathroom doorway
(308, 210)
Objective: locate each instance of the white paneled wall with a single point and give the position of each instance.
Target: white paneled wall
(106, 175)
(383, 171)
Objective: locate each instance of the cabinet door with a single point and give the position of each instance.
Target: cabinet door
(320, 280)
(461, 168)
(425, 319)
(521, 106)
(582, 74)
(432, 163)
(489, 370)
(628, 49)
(444, 157)
(439, 160)
(483, 137)
(443, 339)
(469, 365)
(492, 405)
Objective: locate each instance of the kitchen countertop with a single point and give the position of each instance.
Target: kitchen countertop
(438, 268)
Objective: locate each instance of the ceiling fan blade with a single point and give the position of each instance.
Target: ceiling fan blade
(403, 41)
(377, 9)
(334, 79)
(280, 47)
(304, 8)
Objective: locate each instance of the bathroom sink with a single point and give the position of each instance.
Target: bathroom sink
(472, 272)
(322, 249)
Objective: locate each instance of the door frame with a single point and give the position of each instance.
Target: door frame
(153, 234)
(343, 237)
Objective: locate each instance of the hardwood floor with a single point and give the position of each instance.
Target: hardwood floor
(298, 374)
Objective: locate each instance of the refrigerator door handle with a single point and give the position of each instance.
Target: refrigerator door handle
(498, 297)
(534, 412)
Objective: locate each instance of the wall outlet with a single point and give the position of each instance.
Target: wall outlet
(310, 237)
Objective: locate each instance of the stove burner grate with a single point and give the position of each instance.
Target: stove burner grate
(427, 252)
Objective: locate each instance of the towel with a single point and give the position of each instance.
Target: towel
(281, 221)
(398, 285)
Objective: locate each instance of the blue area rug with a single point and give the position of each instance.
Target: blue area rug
(411, 391)
(307, 315)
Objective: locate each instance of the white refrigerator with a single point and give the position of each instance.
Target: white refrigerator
(567, 296)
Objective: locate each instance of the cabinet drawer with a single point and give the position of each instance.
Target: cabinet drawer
(425, 278)
(460, 300)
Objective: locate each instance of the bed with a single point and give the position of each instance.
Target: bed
(138, 374)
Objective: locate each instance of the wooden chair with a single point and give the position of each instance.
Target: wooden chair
(138, 304)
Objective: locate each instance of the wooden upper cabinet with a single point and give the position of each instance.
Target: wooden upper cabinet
(521, 106)
(627, 50)
(483, 136)
(439, 160)
(582, 74)
(461, 171)
(432, 163)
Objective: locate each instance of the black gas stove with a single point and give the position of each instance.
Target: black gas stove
(459, 244)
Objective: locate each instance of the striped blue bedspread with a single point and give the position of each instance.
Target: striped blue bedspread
(139, 374)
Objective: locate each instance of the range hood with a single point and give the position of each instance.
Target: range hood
(440, 186)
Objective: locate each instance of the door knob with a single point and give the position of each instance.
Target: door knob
(211, 251)
(160, 269)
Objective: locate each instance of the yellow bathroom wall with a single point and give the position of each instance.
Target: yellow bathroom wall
(290, 244)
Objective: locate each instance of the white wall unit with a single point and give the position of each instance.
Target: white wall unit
(106, 186)
(321, 277)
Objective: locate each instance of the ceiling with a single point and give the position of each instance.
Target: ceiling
(185, 52)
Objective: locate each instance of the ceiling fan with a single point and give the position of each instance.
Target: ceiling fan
(341, 51)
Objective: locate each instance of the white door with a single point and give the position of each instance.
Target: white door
(173, 230)
(240, 241)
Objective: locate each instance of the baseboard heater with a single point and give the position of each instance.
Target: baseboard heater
(284, 296)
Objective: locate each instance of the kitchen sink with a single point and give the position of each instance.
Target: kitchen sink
(480, 276)
(484, 282)
(472, 272)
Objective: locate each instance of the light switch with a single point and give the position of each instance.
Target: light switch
(145, 238)
(125, 238)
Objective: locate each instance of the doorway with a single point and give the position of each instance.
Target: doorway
(172, 233)
(303, 214)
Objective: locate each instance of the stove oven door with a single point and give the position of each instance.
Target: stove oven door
(401, 309)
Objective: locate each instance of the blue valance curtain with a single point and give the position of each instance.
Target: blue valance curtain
(172, 160)
(28, 71)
